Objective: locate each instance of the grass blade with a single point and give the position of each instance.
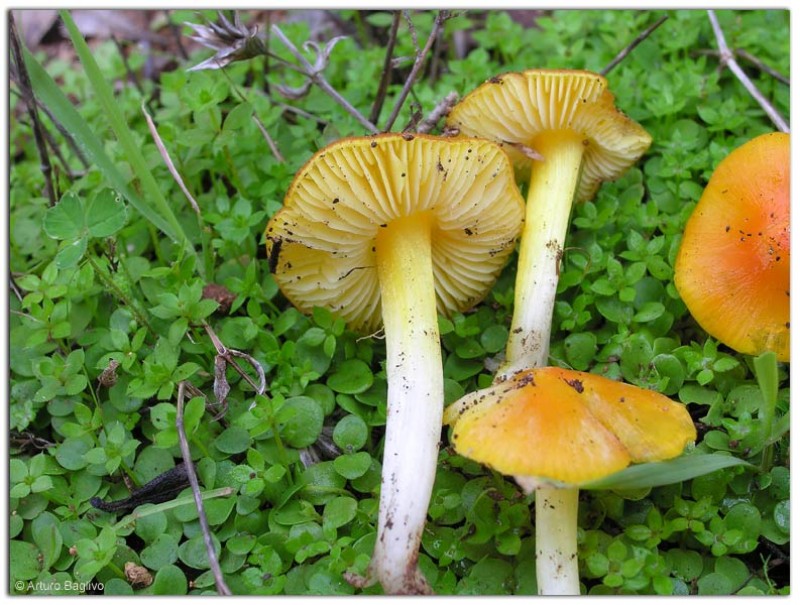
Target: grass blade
(653, 474)
(120, 126)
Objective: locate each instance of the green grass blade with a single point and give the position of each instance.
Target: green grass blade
(48, 92)
(653, 474)
(120, 126)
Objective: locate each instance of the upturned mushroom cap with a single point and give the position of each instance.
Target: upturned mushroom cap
(567, 427)
(321, 245)
(732, 269)
(516, 108)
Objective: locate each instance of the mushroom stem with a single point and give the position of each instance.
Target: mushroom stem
(415, 401)
(550, 194)
(557, 541)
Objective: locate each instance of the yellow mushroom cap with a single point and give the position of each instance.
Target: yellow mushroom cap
(519, 107)
(732, 269)
(321, 245)
(567, 427)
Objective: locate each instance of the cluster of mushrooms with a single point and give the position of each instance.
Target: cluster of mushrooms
(393, 229)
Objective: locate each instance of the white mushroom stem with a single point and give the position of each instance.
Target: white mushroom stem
(415, 401)
(552, 188)
(556, 539)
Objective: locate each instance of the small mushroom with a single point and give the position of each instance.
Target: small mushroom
(388, 229)
(555, 430)
(568, 118)
(732, 269)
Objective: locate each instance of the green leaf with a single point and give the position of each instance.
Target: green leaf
(238, 117)
(664, 473)
(105, 213)
(65, 220)
(233, 440)
(352, 466)
(351, 377)
(338, 512)
(23, 560)
(300, 420)
(170, 580)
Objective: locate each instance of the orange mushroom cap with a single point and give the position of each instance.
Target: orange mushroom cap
(552, 425)
(732, 269)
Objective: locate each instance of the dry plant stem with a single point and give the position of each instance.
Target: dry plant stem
(727, 58)
(66, 134)
(757, 63)
(380, 97)
(441, 17)
(176, 34)
(222, 587)
(763, 66)
(442, 108)
(131, 75)
(627, 50)
(168, 161)
(27, 94)
(229, 354)
(273, 147)
(318, 79)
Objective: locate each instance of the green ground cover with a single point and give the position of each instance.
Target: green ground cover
(111, 291)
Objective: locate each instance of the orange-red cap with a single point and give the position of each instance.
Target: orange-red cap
(732, 269)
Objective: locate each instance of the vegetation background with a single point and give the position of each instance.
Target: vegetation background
(112, 286)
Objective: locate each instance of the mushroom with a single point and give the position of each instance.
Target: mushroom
(568, 118)
(389, 229)
(559, 429)
(732, 269)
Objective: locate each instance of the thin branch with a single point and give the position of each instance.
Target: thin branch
(176, 34)
(317, 78)
(727, 59)
(442, 108)
(757, 63)
(168, 161)
(762, 66)
(27, 94)
(627, 50)
(441, 17)
(131, 75)
(227, 355)
(222, 587)
(412, 30)
(383, 86)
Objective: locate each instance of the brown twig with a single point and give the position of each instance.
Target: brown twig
(441, 17)
(176, 34)
(131, 74)
(27, 94)
(442, 108)
(627, 50)
(222, 587)
(66, 134)
(383, 86)
(757, 63)
(726, 58)
(317, 78)
(228, 355)
(170, 165)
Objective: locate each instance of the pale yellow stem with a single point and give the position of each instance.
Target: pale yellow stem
(552, 189)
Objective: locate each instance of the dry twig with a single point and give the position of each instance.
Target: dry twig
(442, 108)
(170, 165)
(380, 97)
(441, 17)
(315, 76)
(726, 58)
(627, 50)
(757, 63)
(27, 94)
(222, 587)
